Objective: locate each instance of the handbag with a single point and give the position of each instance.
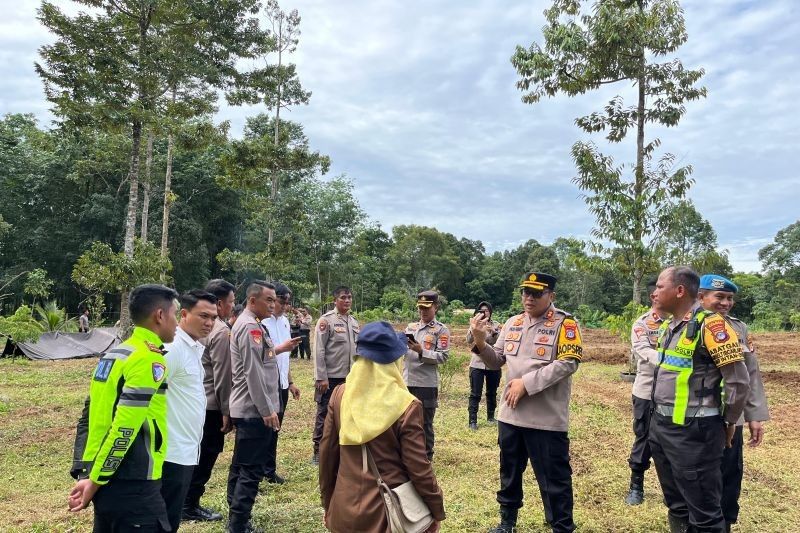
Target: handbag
(406, 511)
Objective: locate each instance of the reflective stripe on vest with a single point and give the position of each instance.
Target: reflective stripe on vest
(680, 360)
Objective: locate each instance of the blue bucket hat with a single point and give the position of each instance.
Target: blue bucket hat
(379, 342)
(715, 282)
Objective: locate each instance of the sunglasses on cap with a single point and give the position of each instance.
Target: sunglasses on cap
(533, 293)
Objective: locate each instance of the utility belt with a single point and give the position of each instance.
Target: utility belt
(699, 411)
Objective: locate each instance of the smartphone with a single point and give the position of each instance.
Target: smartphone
(410, 337)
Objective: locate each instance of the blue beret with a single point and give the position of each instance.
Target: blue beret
(714, 282)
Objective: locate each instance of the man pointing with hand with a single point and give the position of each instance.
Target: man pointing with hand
(542, 349)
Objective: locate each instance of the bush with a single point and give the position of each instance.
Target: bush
(621, 325)
(591, 318)
(454, 365)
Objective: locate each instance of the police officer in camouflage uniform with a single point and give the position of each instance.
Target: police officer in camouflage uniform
(254, 403)
(337, 333)
(541, 348)
(121, 439)
(644, 340)
(428, 347)
(695, 415)
(717, 295)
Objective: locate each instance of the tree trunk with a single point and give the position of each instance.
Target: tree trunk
(130, 218)
(167, 200)
(638, 229)
(274, 192)
(146, 184)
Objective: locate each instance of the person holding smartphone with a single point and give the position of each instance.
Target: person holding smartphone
(428, 347)
(478, 373)
(280, 331)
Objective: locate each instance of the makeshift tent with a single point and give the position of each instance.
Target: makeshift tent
(56, 345)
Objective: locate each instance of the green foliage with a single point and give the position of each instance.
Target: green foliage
(100, 269)
(621, 324)
(21, 326)
(52, 318)
(454, 365)
(38, 284)
(591, 318)
(587, 46)
(768, 317)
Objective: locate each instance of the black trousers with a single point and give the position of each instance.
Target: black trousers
(252, 444)
(688, 460)
(732, 472)
(476, 378)
(639, 459)
(322, 410)
(548, 452)
(272, 457)
(210, 447)
(295, 332)
(124, 506)
(305, 343)
(429, 396)
(175, 481)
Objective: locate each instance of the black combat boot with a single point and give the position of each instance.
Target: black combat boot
(508, 521)
(677, 525)
(636, 493)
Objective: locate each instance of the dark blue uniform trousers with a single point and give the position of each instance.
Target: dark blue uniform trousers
(548, 452)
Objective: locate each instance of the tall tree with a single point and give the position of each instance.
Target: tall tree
(106, 66)
(610, 42)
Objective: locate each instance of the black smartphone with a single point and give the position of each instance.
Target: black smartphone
(410, 336)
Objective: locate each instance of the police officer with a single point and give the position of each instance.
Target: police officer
(478, 373)
(428, 347)
(337, 333)
(644, 340)
(717, 295)
(542, 348)
(692, 423)
(254, 403)
(121, 439)
(216, 363)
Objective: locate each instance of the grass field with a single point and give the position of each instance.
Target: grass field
(40, 402)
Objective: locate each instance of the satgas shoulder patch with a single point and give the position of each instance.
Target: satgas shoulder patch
(256, 336)
(158, 371)
(721, 341)
(569, 340)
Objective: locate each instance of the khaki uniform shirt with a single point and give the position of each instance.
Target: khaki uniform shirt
(423, 370)
(336, 345)
(216, 362)
(756, 407)
(254, 392)
(491, 338)
(717, 356)
(644, 344)
(544, 352)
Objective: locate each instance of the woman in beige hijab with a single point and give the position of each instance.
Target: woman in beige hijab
(374, 407)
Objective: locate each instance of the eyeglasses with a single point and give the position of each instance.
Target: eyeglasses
(532, 293)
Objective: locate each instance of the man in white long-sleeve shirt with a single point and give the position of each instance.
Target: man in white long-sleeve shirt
(186, 398)
(280, 331)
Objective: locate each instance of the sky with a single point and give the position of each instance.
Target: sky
(416, 103)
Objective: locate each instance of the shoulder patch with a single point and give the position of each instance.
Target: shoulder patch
(103, 369)
(444, 341)
(322, 326)
(156, 349)
(569, 340)
(721, 341)
(256, 336)
(158, 371)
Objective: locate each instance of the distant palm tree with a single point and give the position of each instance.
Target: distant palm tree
(54, 319)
